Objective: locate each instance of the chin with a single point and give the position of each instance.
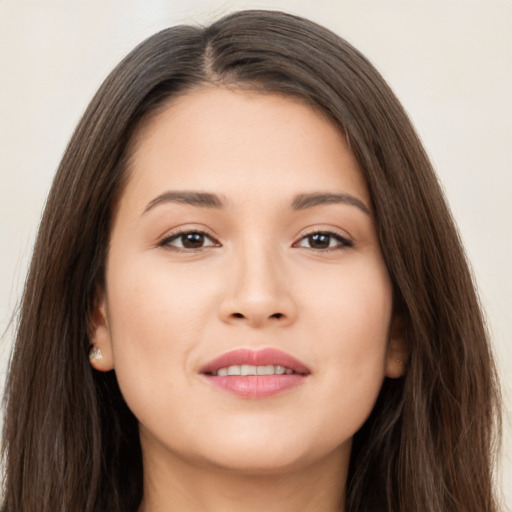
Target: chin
(261, 456)
(251, 462)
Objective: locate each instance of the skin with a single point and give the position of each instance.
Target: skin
(257, 281)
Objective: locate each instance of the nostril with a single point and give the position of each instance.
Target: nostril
(275, 315)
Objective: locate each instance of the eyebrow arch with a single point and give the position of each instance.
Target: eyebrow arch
(303, 201)
(209, 200)
(201, 199)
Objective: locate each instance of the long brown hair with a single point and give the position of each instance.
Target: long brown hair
(70, 441)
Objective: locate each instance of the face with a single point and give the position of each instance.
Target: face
(244, 243)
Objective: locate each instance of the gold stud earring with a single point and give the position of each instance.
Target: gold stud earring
(95, 354)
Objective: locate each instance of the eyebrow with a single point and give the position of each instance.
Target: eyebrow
(303, 201)
(201, 199)
(209, 200)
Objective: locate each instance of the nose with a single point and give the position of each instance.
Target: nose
(258, 290)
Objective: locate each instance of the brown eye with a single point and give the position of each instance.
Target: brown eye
(188, 240)
(193, 240)
(319, 241)
(324, 240)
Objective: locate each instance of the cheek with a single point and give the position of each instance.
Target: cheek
(152, 302)
(352, 307)
(157, 317)
(351, 325)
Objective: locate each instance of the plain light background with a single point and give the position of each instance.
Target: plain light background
(450, 63)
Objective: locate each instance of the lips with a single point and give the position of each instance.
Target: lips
(255, 374)
(264, 357)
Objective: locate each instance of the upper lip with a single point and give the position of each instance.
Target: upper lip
(261, 357)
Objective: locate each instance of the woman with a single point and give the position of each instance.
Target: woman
(247, 293)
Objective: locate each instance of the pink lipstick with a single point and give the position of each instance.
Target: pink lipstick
(255, 373)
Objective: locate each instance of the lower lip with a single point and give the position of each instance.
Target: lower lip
(257, 386)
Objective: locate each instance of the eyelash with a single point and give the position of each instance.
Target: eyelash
(178, 234)
(344, 243)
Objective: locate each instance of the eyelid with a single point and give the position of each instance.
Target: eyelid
(164, 241)
(346, 241)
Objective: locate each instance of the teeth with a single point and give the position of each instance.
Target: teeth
(279, 370)
(247, 369)
(234, 370)
(265, 370)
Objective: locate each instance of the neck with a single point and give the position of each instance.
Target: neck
(172, 484)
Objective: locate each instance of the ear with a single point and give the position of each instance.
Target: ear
(101, 354)
(398, 353)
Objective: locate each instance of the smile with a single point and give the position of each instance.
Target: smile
(247, 369)
(255, 374)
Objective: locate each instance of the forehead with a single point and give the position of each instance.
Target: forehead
(230, 141)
